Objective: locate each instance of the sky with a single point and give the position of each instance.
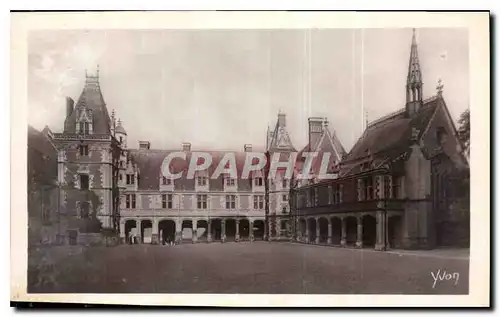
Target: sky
(221, 89)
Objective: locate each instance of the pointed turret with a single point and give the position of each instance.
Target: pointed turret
(414, 82)
(90, 110)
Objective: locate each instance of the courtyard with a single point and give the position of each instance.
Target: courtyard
(246, 268)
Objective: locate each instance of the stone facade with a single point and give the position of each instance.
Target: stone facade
(394, 188)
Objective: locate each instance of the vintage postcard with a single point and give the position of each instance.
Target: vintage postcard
(278, 158)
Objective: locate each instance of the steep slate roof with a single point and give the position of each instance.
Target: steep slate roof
(390, 137)
(91, 98)
(149, 163)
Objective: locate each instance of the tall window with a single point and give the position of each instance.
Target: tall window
(312, 197)
(258, 202)
(202, 201)
(84, 150)
(396, 185)
(166, 201)
(285, 183)
(130, 201)
(230, 201)
(130, 179)
(84, 181)
(86, 127)
(368, 185)
(202, 180)
(336, 193)
(285, 198)
(230, 181)
(258, 181)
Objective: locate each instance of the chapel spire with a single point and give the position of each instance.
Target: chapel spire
(414, 80)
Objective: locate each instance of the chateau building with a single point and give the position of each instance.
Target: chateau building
(100, 177)
(399, 186)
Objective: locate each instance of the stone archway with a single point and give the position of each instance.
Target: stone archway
(130, 227)
(311, 226)
(146, 231)
(230, 229)
(166, 231)
(258, 229)
(216, 227)
(336, 230)
(244, 228)
(351, 229)
(395, 231)
(202, 230)
(323, 230)
(302, 229)
(284, 228)
(187, 230)
(369, 230)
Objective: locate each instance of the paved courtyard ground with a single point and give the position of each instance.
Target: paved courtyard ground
(259, 267)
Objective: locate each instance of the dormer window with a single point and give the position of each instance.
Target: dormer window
(230, 181)
(130, 179)
(166, 181)
(84, 122)
(441, 135)
(201, 180)
(258, 181)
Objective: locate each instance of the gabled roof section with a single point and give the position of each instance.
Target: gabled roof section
(91, 99)
(390, 136)
(279, 138)
(329, 143)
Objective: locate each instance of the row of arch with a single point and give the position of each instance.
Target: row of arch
(189, 230)
(349, 231)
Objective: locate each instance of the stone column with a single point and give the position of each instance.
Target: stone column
(154, 232)
(307, 231)
(318, 231)
(209, 230)
(250, 229)
(359, 239)
(380, 245)
(123, 236)
(178, 232)
(194, 231)
(138, 230)
(343, 241)
(237, 237)
(329, 241)
(223, 230)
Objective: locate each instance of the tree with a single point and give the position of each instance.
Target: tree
(464, 130)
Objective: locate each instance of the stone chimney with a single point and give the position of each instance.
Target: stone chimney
(248, 148)
(69, 106)
(186, 146)
(281, 119)
(315, 131)
(144, 145)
